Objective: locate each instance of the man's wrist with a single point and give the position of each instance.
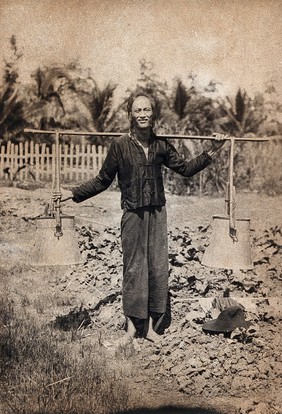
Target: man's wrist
(211, 152)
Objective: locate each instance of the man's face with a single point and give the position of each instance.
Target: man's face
(142, 113)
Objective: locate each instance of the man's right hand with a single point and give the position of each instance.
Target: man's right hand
(66, 194)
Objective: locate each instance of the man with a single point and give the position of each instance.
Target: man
(136, 158)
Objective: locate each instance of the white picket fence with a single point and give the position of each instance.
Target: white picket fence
(30, 161)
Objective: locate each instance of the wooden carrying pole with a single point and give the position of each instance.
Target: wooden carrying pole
(118, 134)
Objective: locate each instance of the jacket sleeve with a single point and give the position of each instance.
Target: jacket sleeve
(183, 167)
(102, 181)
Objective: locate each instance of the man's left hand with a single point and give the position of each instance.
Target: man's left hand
(217, 142)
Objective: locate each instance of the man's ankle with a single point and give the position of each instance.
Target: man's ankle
(131, 330)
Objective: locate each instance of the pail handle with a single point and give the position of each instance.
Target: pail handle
(56, 190)
(232, 220)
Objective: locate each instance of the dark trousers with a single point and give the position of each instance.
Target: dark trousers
(145, 261)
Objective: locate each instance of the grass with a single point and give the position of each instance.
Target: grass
(44, 372)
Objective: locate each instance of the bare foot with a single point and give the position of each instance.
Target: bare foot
(151, 334)
(125, 340)
(130, 334)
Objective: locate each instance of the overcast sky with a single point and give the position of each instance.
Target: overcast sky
(235, 42)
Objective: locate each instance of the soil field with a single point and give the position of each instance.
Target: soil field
(238, 373)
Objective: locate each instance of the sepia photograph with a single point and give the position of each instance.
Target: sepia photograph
(140, 205)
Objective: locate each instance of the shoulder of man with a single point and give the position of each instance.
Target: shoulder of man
(162, 141)
(121, 139)
(158, 138)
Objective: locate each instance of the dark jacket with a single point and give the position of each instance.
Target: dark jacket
(140, 180)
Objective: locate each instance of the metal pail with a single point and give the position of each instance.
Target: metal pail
(52, 250)
(225, 252)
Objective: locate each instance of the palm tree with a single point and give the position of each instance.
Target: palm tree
(100, 104)
(243, 114)
(55, 103)
(67, 97)
(11, 106)
(181, 97)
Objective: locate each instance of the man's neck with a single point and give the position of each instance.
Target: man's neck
(143, 135)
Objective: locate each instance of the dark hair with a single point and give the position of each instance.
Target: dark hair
(153, 102)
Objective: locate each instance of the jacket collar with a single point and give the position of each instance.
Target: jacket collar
(133, 137)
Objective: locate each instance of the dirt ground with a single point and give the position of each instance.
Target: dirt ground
(239, 373)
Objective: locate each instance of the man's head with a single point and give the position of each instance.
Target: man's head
(141, 111)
